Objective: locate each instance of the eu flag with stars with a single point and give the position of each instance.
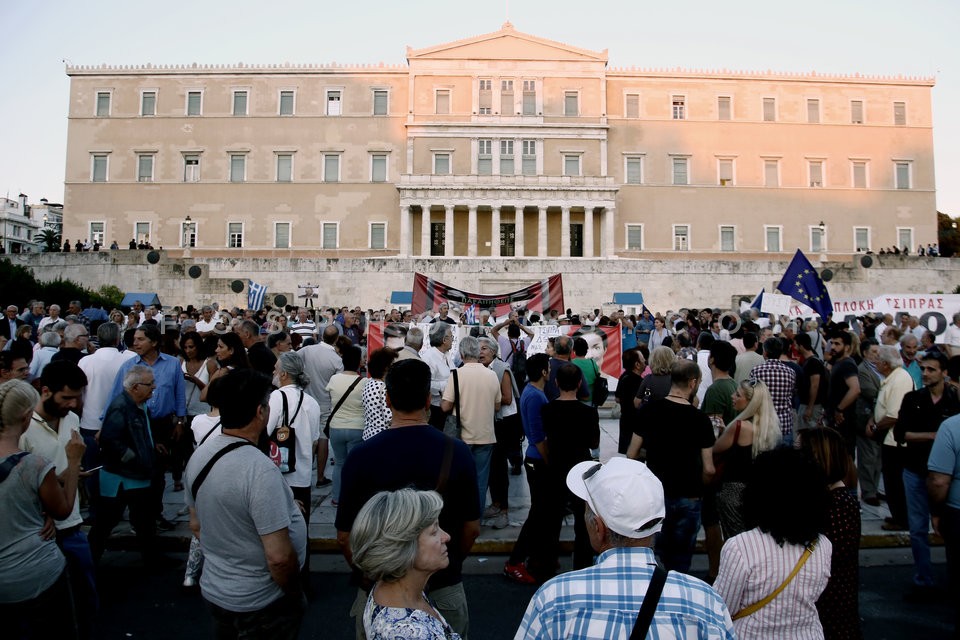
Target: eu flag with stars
(803, 284)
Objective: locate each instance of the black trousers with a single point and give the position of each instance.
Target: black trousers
(892, 459)
(141, 503)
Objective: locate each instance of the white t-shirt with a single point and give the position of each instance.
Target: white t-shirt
(952, 336)
(305, 424)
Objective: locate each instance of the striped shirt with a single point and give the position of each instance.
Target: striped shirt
(752, 565)
(601, 603)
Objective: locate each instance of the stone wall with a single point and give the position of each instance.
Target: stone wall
(665, 281)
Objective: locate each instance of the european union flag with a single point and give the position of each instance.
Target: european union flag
(758, 301)
(803, 283)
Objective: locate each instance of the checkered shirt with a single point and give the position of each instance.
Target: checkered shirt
(781, 380)
(601, 603)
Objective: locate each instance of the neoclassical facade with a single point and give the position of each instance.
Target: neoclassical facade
(500, 145)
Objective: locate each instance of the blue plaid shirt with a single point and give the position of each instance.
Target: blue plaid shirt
(601, 603)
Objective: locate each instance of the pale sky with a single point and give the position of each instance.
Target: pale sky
(918, 38)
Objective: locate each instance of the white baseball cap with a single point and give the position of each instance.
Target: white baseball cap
(623, 492)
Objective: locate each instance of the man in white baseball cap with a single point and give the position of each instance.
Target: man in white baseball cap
(624, 510)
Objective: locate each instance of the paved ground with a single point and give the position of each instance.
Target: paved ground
(323, 533)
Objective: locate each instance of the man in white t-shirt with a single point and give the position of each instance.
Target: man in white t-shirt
(208, 322)
(951, 337)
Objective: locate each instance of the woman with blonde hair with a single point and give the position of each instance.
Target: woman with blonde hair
(658, 383)
(397, 542)
(755, 429)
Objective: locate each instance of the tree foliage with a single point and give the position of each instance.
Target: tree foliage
(948, 235)
(18, 286)
(50, 240)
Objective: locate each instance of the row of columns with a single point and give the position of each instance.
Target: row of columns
(406, 237)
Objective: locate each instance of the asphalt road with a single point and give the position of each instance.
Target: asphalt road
(135, 604)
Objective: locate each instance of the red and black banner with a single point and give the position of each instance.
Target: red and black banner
(542, 296)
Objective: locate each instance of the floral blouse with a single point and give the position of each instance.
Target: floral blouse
(398, 623)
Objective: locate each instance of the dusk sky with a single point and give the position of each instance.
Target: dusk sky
(881, 37)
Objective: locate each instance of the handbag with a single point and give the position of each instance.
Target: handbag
(756, 606)
(343, 398)
(720, 460)
(601, 390)
(283, 440)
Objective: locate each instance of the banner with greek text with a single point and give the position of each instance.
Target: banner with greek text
(542, 296)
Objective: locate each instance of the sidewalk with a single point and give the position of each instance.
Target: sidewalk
(323, 535)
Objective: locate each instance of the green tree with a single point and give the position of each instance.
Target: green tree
(50, 239)
(948, 235)
(18, 286)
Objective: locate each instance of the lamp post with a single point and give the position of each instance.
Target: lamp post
(189, 231)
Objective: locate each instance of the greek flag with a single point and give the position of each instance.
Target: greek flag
(471, 314)
(255, 295)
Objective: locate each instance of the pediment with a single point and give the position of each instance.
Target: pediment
(506, 44)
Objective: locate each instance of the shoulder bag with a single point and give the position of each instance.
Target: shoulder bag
(284, 437)
(601, 390)
(649, 605)
(343, 398)
(756, 606)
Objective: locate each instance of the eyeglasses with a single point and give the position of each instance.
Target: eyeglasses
(145, 384)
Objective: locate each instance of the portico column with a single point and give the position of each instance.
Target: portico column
(564, 232)
(495, 232)
(448, 232)
(609, 221)
(518, 230)
(588, 232)
(425, 231)
(472, 231)
(542, 233)
(405, 231)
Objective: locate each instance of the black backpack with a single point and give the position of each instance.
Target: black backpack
(518, 363)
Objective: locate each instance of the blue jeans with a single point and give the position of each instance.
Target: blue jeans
(918, 519)
(482, 453)
(342, 441)
(676, 540)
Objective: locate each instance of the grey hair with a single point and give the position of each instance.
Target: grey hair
(57, 326)
(614, 539)
(16, 398)
(791, 326)
(135, 374)
(415, 337)
(55, 305)
(890, 354)
(49, 339)
(72, 332)
(470, 348)
(907, 337)
(108, 334)
(491, 343)
(292, 364)
(385, 532)
(438, 333)
(661, 360)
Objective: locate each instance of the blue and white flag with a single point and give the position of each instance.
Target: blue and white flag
(471, 314)
(758, 301)
(803, 283)
(255, 294)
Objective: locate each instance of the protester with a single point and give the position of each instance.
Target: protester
(376, 413)
(346, 420)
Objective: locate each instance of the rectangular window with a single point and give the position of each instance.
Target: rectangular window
(529, 99)
(725, 172)
(378, 167)
(724, 110)
(148, 103)
(441, 164)
(861, 238)
(769, 109)
(571, 165)
(484, 157)
(145, 167)
(859, 174)
(188, 234)
(191, 168)
(334, 103)
(284, 167)
(331, 167)
(905, 237)
(529, 159)
(443, 101)
(506, 97)
(194, 103)
(281, 235)
(571, 103)
(856, 111)
(378, 235)
(99, 171)
(508, 238)
(634, 170)
(727, 238)
(438, 235)
(902, 172)
(330, 232)
(680, 174)
(818, 238)
(634, 237)
(771, 173)
(103, 104)
(506, 158)
(486, 96)
(238, 167)
(900, 113)
(96, 232)
(286, 103)
(142, 231)
(235, 235)
(773, 239)
(681, 237)
(239, 103)
(815, 169)
(632, 105)
(679, 107)
(813, 110)
(381, 102)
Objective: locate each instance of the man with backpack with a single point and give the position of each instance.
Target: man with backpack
(513, 347)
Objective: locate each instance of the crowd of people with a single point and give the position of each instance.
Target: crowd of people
(767, 432)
